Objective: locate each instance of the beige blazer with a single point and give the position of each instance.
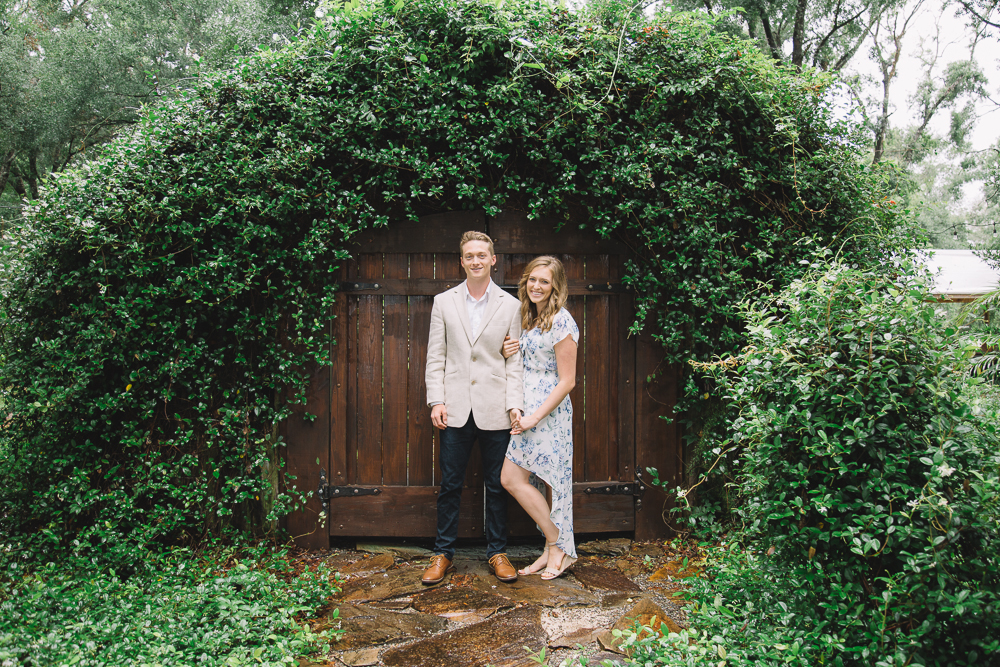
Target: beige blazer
(470, 376)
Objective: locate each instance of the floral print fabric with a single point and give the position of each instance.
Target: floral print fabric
(547, 449)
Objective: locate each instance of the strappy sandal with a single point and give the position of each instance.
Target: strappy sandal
(527, 571)
(550, 573)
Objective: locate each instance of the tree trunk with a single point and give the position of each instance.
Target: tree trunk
(799, 34)
(5, 166)
(33, 175)
(766, 24)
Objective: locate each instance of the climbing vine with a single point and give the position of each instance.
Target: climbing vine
(164, 301)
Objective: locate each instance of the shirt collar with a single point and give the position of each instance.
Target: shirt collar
(486, 294)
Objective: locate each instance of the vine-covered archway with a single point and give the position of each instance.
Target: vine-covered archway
(143, 369)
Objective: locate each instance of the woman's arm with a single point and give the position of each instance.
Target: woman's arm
(566, 367)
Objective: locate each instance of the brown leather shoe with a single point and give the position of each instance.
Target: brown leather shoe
(502, 568)
(440, 566)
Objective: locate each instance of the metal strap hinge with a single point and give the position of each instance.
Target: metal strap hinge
(327, 492)
(635, 489)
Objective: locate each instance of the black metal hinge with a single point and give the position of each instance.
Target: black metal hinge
(351, 286)
(327, 492)
(635, 489)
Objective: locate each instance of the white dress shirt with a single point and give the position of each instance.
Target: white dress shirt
(476, 308)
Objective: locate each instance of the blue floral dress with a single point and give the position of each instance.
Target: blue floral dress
(547, 449)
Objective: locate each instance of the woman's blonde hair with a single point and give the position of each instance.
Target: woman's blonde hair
(530, 317)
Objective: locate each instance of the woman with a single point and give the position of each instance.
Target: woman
(542, 441)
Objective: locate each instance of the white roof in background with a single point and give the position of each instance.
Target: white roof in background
(960, 275)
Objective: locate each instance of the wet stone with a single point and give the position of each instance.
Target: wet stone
(645, 612)
(628, 568)
(499, 642)
(459, 603)
(647, 549)
(366, 626)
(378, 563)
(602, 578)
(614, 547)
(402, 550)
(368, 656)
(618, 599)
(562, 592)
(582, 637)
(392, 584)
(604, 658)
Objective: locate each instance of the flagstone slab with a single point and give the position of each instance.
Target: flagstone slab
(382, 586)
(562, 592)
(645, 612)
(460, 603)
(366, 626)
(406, 551)
(647, 549)
(602, 578)
(499, 641)
(580, 637)
(363, 658)
(369, 564)
(615, 546)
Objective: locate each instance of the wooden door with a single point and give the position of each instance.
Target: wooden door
(372, 433)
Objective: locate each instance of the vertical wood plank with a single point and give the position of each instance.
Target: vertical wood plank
(351, 398)
(615, 344)
(658, 444)
(575, 266)
(370, 388)
(625, 378)
(420, 430)
(308, 441)
(338, 388)
(598, 374)
(394, 418)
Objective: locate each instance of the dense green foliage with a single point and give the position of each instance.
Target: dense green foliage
(246, 610)
(868, 478)
(167, 296)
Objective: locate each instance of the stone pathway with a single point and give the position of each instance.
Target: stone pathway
(471, 619)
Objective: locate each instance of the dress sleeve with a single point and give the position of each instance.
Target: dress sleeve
(564, 325)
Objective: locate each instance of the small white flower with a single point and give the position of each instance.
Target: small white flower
(275, 37)
(320, 13)
(682, 493)
(913, 503)
(945, 469)
(942, 502)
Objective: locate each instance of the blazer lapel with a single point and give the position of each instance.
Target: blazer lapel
(491, 308)
(463, 312)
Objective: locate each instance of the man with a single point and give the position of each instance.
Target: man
(474, 394)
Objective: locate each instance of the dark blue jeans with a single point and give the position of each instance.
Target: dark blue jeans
(456, 448)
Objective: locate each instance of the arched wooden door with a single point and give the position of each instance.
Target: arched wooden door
(372, 436)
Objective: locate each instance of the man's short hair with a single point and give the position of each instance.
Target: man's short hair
(474, 236)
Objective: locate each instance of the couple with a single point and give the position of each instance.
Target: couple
(476, 389)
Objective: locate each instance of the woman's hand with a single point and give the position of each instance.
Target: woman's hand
(515, 421)
(528, 422)
(510, 347)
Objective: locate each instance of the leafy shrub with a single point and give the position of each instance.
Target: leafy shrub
(184, 611)
(868, 480)
(166, 302)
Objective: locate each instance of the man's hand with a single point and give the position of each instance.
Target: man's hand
(439, 416)
(515, 421)
(510, 347)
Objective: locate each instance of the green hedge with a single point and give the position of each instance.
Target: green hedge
(163, 298)
(868, 476)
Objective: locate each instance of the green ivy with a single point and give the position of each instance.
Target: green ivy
(212, 611)
(164, 302)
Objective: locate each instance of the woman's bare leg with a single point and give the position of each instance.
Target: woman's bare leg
(516, 480)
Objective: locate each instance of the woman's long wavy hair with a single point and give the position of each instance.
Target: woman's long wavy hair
(530, 317)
